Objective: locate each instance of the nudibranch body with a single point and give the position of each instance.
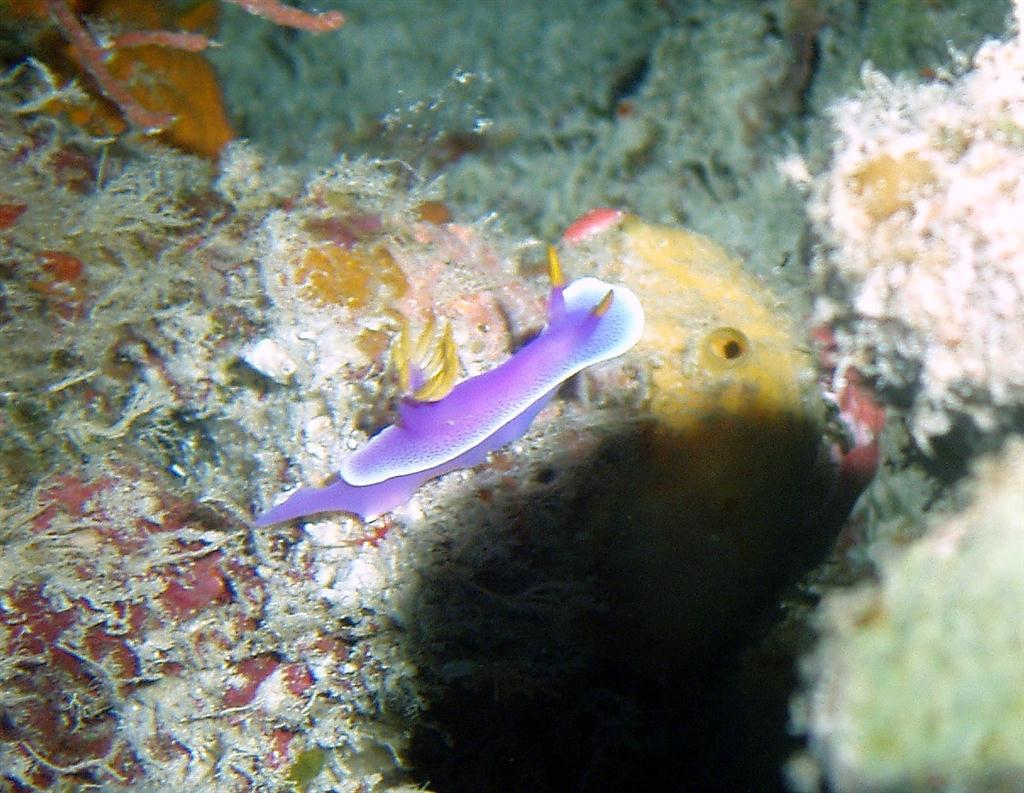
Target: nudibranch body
(588, 321)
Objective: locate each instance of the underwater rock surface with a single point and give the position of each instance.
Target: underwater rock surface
(597, 606)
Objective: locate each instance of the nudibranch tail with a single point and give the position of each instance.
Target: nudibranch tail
(590, 321)
(371, 501)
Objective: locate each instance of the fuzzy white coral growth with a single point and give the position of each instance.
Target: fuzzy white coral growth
(921, 213)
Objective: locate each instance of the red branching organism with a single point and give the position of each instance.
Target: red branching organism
(289, 17)
(93, 55)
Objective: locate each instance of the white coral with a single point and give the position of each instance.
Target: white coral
(931, 284)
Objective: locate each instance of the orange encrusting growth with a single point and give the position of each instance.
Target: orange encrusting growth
(888, 184)
(174, 81)
(434, 212)
(62, 266)
(355, 279)
(9, 214)
(162, 79)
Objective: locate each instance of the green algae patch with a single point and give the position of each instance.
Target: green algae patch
(307, 766)
(918, 682)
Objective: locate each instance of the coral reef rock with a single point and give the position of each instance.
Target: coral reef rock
(922, 261)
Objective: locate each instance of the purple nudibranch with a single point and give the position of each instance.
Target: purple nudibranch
(588, 321)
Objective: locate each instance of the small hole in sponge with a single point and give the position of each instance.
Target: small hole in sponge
(731, 349)
(727, 345)
(545, 476)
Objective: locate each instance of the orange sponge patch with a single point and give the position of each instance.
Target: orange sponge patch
(333, 275)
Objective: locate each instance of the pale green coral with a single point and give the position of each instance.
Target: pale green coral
(918, 684)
